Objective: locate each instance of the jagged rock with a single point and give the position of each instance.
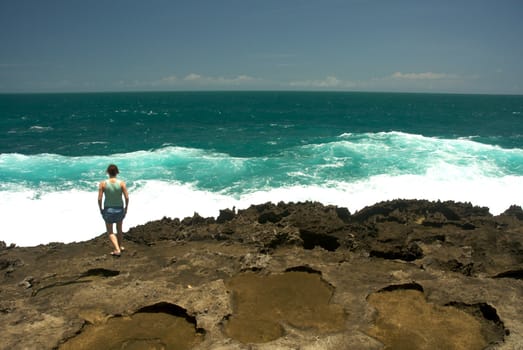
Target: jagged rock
(225, 215)
(185, 272)
(515, 211)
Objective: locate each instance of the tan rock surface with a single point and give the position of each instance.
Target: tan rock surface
(328, 280)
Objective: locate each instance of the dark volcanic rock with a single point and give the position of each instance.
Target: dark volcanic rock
(455, 261)
(225, 215)
(515, 211)
(163, 229)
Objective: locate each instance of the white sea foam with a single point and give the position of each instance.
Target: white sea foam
(70, 216)
(59, 202)
(38, 128)
(67, 216)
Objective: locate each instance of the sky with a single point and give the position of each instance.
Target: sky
(443, 46)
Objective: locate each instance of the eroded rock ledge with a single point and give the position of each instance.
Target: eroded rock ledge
(399, 274)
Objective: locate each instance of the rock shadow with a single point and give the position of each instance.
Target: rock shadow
(409, 252)
(264, 304)
(100, 272)
(491, 325)
(159, 326)
(312, 240)
(516, 274)
(406, 286)
(86, 277)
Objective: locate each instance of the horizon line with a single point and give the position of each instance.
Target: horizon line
(256, 90)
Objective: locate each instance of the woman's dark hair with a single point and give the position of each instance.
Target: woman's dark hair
(112, 170)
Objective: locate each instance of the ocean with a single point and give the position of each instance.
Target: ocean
(187, 152)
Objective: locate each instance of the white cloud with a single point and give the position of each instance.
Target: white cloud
(329, 82)
(193, 77)
(236, 80)
(193, 80)
(244, 78)
(197, 78)
(422, 76)
(170, 79)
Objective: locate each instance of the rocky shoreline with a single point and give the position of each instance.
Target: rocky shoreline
(396, 275)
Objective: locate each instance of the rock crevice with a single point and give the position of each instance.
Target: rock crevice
(449, 261)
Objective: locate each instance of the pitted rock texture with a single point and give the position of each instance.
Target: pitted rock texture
(405, 320)
(263, 304)
(449, 256)
(159, 326)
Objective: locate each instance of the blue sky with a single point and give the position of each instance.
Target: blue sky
(458, 46)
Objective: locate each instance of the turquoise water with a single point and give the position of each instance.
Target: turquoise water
(189, 152)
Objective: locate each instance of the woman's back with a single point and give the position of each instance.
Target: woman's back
(113, 193)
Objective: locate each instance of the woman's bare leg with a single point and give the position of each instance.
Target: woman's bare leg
(112, 237)
(119, 230)
(109, 228)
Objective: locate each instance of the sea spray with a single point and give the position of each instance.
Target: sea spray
(182, 153)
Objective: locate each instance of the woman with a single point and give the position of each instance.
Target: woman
(113, 210)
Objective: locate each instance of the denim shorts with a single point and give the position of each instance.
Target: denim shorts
(112, 215)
